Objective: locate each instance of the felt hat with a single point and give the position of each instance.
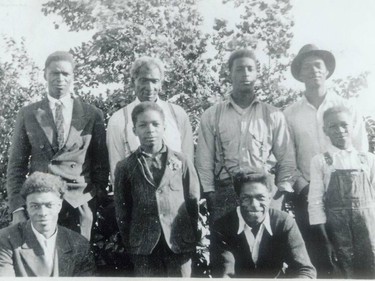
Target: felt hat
(312, 50)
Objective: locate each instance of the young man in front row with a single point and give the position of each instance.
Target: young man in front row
(39, 247)
(342, 199)
(255, 241)
(156, 197)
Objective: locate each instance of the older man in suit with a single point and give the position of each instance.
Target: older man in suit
(39, 247)
(256, 241)
(62, 136)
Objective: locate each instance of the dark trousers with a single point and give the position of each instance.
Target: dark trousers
(162, 262)
(313, 241)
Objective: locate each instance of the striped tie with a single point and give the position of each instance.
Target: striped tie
(59, 120)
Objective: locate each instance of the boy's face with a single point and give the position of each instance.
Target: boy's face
(255, 201)
(338, 127)
(149, 128)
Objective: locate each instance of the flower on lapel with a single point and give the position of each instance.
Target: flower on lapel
(174, 164)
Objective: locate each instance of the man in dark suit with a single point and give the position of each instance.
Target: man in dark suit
(256, 241)
(39, 247)
(62, 136)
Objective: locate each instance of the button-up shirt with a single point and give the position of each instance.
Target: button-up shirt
(154, 165)
(67, 111)
(321, 175)
(48, 245)
(306, 129)
(253, 242)
(250, 137)
(121, 144)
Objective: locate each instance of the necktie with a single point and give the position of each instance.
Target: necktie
(59, 121)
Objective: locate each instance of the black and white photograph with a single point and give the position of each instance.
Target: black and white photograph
(187, 139)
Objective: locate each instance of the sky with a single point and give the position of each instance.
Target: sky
(344, 27)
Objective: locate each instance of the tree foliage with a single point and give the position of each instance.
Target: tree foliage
(18, 86)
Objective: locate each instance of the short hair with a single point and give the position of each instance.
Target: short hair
(145, 106)
(335, 110)
(241, 53)
(252, 177)
(59, 56)
(147, 62)
(43, 182)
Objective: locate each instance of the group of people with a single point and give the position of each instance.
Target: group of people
(62, 154)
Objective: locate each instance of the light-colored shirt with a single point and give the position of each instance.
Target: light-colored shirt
(250, 137)
(253, 242)
(67, 111)
(48, 245)
(178, 134)
(321, 175)
(306, 129)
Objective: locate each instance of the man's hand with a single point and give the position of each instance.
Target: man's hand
(330, 252)
(86, 219)
(19, 216)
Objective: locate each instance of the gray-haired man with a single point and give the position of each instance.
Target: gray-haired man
(147, 75)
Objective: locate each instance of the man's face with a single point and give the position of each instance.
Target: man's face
(243, 75)
(313, 72)
(43, 209)
(255, 200)
(338, 127)
(59, 76)
(148, 83)
(149, 128)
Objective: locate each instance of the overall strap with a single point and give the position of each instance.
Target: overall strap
(171, 109)
(125, 111)
(218, 112)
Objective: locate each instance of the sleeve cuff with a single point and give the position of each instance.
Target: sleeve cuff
(285, 186)
(300, 184)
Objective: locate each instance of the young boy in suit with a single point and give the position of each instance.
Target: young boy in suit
(342, 199)
(156, 198)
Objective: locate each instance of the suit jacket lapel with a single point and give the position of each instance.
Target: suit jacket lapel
(168, 172)
(145, 174)
(64, 250)
(43, 115)
(32, 252)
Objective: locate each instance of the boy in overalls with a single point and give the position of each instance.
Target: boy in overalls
(342, 199)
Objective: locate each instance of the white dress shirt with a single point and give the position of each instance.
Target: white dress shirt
(321, 175)
(253, 242)
(48, 245)
(67, 103)
(305, 124)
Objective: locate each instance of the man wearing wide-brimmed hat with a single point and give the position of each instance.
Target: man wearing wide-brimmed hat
(313, 66)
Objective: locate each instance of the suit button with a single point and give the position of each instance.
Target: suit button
(41, 146)
(73, 165)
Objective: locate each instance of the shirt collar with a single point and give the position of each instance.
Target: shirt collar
(158, 101)
(145, 154)
(328, 97)
(333, 149)
(241, 225)
(66, 100)
(40, 237)
(238, 108)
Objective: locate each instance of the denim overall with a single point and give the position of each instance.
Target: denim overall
(350, 208)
